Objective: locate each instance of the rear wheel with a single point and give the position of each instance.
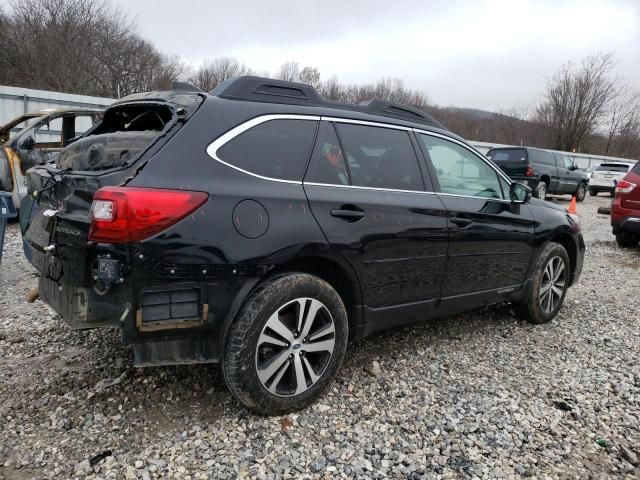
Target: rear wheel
(548, 286)
(286, 344)
(581, 192)
(626, 239)
(593, 192)
(541, 190)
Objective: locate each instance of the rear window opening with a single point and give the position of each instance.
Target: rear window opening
(508, 155)
(612, 167)
(125, 132)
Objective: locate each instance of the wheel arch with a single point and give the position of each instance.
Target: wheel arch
(566, 240)
(341, 277)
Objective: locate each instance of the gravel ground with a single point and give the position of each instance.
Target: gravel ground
(474, 395)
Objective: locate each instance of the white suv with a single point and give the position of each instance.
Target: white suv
(606, 175)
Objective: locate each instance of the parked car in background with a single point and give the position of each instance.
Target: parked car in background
(606, 175)
(544, 171)
(36, 137)
(262, 227)
(625, 209)
(589, 171)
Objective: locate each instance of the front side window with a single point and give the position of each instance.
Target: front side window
(275, 149)
(380, 157)
(568, 164)
(459, 171)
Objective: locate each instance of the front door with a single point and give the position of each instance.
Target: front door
(491, 240)
(566, 171)
(366, 190)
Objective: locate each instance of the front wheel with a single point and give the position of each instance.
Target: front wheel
(581, 193)
(286, 345)
(626, 239)
(548, 286)
(541, 190)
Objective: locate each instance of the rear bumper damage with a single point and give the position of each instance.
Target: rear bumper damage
(170, 314)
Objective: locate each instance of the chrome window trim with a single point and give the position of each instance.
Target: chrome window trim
(212, 149)
(366, 123)
(358, 187)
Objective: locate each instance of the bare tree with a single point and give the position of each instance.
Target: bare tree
(576, 100)
(310, 76)
(289, 71)
(213, 72)
(78, 46)
(624, 113)
(511, 124)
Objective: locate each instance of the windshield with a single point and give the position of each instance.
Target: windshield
(16, 126)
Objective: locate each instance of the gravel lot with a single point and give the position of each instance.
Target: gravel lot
(474, 395)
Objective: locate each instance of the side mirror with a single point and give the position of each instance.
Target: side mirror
(573, 168)
(519, 193)
(28, 143)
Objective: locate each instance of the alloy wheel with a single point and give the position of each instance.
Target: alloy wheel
(582, 192)
(553, 284)
(295, 347)
(542, 190)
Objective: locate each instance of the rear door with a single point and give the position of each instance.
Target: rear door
(366, 190)
(491, 240)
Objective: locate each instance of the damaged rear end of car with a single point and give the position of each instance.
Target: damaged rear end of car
(81, 223)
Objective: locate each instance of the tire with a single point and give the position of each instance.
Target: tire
(261, 365)
(593, 192)
(626, 239)
(535, 306)
(581, 192)
(541, 190)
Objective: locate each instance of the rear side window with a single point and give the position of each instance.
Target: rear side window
(545, 158)
(508, 155)
(276, 148)
(612, 167)
(636, 168)
(380, 157)
(327, 164)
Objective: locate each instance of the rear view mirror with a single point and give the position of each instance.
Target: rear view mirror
(519, 193)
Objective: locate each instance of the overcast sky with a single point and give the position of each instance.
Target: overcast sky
(488, 54)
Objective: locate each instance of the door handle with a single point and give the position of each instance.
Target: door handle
(461, 222)
(349, 213)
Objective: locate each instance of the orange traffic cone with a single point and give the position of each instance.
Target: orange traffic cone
(572, 205)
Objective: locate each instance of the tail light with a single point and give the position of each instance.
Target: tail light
(529, 172)
(130, 214)
(624, 186)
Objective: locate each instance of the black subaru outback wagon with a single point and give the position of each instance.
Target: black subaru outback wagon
(262, 227)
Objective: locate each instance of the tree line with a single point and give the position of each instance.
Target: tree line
(90, 47)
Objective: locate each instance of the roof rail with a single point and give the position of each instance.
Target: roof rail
(259, 89)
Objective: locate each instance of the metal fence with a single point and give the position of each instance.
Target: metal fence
(15, 101)
(582, 160)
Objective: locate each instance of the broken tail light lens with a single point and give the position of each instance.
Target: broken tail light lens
(131, 214)
(624, 186)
